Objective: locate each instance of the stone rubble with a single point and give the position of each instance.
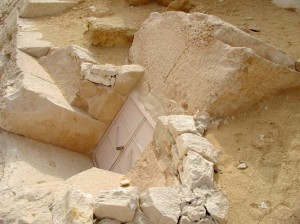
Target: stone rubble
(119, 204)
(161, 205)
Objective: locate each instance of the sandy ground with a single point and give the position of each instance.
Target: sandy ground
(266, 138)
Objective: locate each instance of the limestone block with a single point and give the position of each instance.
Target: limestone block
(215, 203)
(186, 195)
(179, 124)
(127, 79)
(191, 142)
(36, 8)
(119, 204)
(64, 66)
(217, 206)
(111, 31)
(95, 180)
(105, 105)
(109, 221)
(180, 5)
(197, 171)
(228, 70)
(31, 43)
(101, 74)
(161, 205)
(33, 106)
(194, 213)
(99, 11)
(73, 207)
(162, 137)
(140, 218)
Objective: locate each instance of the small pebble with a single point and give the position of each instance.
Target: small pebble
(263, 205)
(125, 183)
(242, 165)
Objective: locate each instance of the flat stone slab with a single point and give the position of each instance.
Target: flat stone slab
(31, 43)
(109, 32)
(37, 8)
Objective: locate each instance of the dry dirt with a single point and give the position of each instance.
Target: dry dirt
(266, 138)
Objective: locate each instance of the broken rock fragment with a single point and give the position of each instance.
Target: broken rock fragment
(119, 204)
(74, 207)
(197, 171)
(179, 124)
(191, 142)
(161, 205)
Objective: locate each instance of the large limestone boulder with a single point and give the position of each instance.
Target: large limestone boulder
(32, 105)
(198, 62)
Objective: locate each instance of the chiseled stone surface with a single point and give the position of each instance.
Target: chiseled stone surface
(161, 205)
(119, 204)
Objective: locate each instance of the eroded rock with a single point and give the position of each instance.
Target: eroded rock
(119, 204)
(161, 205)
(191, 142)
(179, 124)
(74, 207)
(197, 171)
(112, 31)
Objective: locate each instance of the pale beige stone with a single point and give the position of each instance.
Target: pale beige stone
(179, 124)
(196, 143)
(127, 78)
(197, 171)
(31, 43)
(119, 204)
(222, 64)
(36, 8)
(33, 106)
(161, 205)
(72, 207)
(111, 31)
(95, 180)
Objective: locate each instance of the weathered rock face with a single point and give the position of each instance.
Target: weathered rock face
(31, 173)
(109, 32)
(119, 204)
(36, 8)
(100, 90)
(222, 64)
(73, 206)
(161, 205)
(287, 3)
(32, 105)
(95, 180)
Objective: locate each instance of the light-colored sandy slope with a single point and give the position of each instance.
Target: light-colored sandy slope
(267, 139)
